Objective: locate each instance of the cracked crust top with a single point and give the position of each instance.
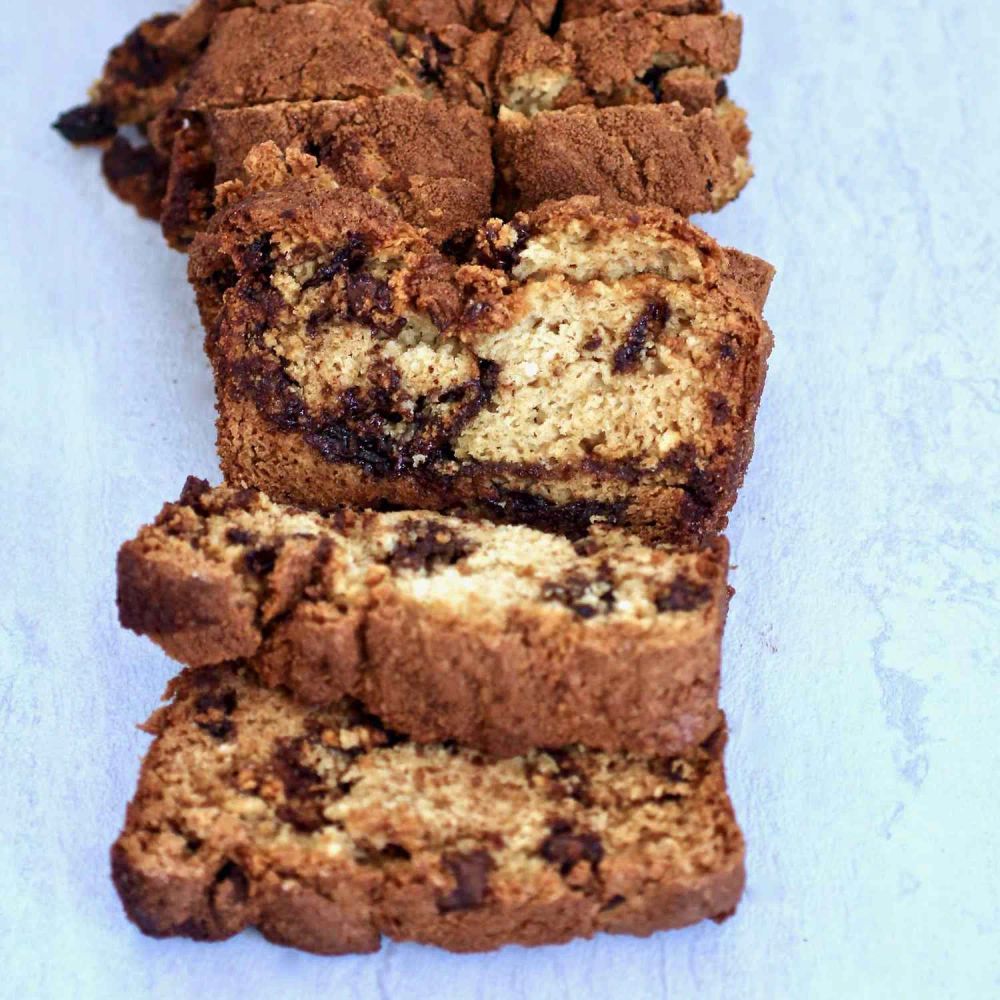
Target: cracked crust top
(326, 831)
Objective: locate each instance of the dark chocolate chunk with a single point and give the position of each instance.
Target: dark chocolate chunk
(719, 407)
(427, 545)
(261, 561)
(213, 710)
(567, 849)
(436, 56)
(349, 258)
(470, 872)
(574, 589)
(86, 123)
(654, 317)
(256, 257)
(493, 254)
(683, 594)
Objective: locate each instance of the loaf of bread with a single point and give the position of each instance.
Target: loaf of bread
(326, 831)
(503, 638)
(602, 362)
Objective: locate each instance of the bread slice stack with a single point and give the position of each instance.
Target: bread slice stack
(451, 626)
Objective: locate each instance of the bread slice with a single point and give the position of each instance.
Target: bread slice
(629, 105)
(618, 59)
(646, 153)
(603, 363)
(326, 831)
(503, 638)
(431, 160)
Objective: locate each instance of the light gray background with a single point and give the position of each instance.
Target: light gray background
(861, 657)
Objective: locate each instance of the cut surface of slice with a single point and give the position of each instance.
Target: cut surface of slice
(326, 831)
(603, 362)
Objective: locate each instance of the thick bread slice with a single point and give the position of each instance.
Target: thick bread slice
(500, 637)
(642, 154)
(604, 363)
(326, 831)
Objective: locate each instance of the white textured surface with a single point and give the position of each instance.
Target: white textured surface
(861, 658)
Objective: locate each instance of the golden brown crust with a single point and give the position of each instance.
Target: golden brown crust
(327, 832)
(615, 646)
(642, 153)
(297, 52)
(433, 162)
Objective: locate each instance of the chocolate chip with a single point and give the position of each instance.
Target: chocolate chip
(572, 520)
(470, 872)
(139, 61)
(627, 357)
(613, 903)
(303, 787)
(214, 708)
(653, 79)
(728, 347)
(434, 58)
(683, 594)
(86, 123)
(578, 592)
(194, 489)
(347, 259)
(719, 407)
(369, 301)
(256, 257)
(587, 547)
(568, 849)
(493, 253)
(237, 536)
(428, 545)
(721, 90)
(261, 561)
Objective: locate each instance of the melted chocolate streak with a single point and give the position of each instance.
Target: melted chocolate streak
(355, 429)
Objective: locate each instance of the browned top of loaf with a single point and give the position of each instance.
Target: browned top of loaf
(431, 160)
(328, 50)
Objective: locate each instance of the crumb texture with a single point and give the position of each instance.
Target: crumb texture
(326, 831)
